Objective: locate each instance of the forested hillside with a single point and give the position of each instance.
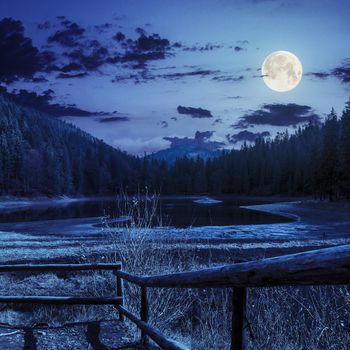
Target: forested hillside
(42, 155)
(315, 160)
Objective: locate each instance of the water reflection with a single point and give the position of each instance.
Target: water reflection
(175, 211)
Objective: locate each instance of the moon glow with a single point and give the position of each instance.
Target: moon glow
(282, 71)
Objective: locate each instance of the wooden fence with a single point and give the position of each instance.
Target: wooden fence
(327, 266)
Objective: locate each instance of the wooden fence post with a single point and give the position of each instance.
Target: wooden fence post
(239, 305)
(144, 313)
(120, 294)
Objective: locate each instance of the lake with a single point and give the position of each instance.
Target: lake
(174, 211)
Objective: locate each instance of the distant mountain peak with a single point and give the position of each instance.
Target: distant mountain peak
(170, 155)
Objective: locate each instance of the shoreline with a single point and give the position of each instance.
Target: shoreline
(315, 225)
(18, 202)
(303, 211)
(9, 203)
(275, 208)
(309, 211)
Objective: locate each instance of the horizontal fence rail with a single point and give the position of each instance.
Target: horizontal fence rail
(163, 341)
(326, 266)
(321, 266)
(40, 299)
(62, 300)
(60, 267)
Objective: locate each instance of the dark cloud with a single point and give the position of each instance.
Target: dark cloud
(320, 75)
(200, 140)
(343, 72)
(233, 78)
(69, 36)
(101, 28)
(177, 45)
(44, 103)
(258, 76)
(140, 57)
(140, 31)
(174, 119)
(38, 79)
(233, 97)
(114, 119)
(91, 60)
(246, 136)
(71, 76)
(278, 115)
(194, 112)
(163, 124)
(44, 26)
(207, 47)
(119, 36)
(84, 54)
(145, 47)
(71, 67)
(142, 74)
(217, 121)
(200, 73)
(151, 43)
(137, 53)
(19, 58)
(135, 77)
(166, 68)
(80, 54)
(95, 44)
(238, 48)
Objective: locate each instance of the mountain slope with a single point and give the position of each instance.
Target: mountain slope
(42, 155)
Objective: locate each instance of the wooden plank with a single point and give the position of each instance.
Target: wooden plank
(40, 299)
(239, 306)
(120, 294)
(159, 338)
(59, 267)
(130, 277)
(317, 267)
(144, 313)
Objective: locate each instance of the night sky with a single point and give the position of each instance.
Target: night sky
(147, 75)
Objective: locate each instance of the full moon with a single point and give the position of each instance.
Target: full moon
(282, 71)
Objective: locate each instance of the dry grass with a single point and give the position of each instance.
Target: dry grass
(142, 254)
(280, 318)
(300, 318)
(70, 284)
(288, 318)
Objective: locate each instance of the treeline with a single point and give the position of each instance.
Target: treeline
(40, 155)
(315, 160)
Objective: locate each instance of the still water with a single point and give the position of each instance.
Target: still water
(174, 211)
